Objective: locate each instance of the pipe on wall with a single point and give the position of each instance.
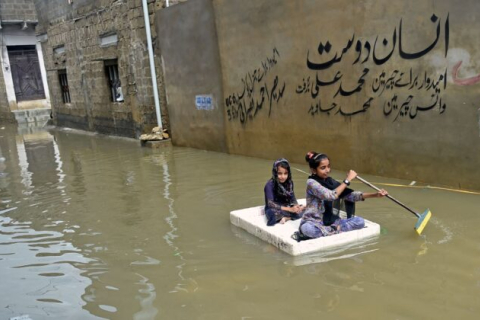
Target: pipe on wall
(152, 63)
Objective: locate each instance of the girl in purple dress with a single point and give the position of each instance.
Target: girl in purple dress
(280, 202)
(321, 189)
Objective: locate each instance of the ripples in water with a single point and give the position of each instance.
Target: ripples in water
(49, 278)
(103, 228)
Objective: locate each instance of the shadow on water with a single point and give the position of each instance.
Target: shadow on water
(97, 227)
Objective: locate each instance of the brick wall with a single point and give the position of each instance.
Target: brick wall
(17, 10)
(78, 27)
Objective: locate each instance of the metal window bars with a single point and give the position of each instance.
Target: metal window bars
(111, 69)
(62, 77)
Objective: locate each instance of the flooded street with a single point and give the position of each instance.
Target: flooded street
(94, 227)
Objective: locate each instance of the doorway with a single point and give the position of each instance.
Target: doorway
(26, 76)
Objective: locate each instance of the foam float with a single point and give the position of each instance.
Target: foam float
(254, 221)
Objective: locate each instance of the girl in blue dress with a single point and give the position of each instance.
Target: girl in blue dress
(280, 202)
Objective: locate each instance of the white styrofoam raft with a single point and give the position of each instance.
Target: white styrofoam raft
(254, 221)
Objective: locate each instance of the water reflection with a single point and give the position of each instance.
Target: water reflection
(38, 270)
(96, 227)
(39, 263)
(148, 311)
(186, 284)
(348, 251)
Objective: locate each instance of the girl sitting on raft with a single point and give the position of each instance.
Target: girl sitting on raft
(280, 202)
(320, 190)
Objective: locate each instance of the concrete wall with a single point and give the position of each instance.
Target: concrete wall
(387, 88)
(5, 114)
(78, 27)
(6, 9)
(189, 50)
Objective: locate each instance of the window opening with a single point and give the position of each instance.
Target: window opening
(111, 69)
(62, 77)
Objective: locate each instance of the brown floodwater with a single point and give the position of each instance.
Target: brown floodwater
(95, 227)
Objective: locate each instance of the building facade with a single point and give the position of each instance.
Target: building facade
(97, 64)
(24, 94)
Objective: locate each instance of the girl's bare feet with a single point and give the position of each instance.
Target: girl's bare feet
(284, 219)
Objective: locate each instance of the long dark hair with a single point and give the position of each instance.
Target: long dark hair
(314, 158)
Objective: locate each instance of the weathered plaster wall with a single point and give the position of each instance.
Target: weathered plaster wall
(377, 85)
(189, 49)
(5, 114)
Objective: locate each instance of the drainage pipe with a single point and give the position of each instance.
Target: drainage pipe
(152, 64)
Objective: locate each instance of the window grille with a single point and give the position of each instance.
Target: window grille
(111, 69)
(62, 77)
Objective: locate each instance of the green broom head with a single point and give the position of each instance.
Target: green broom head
(422, 221)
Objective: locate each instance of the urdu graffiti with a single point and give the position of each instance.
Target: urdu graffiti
(400, 92)
(258, 91)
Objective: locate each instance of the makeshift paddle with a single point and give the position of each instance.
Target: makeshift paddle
(422, 218)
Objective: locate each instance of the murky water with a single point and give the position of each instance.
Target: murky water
(95, 227)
